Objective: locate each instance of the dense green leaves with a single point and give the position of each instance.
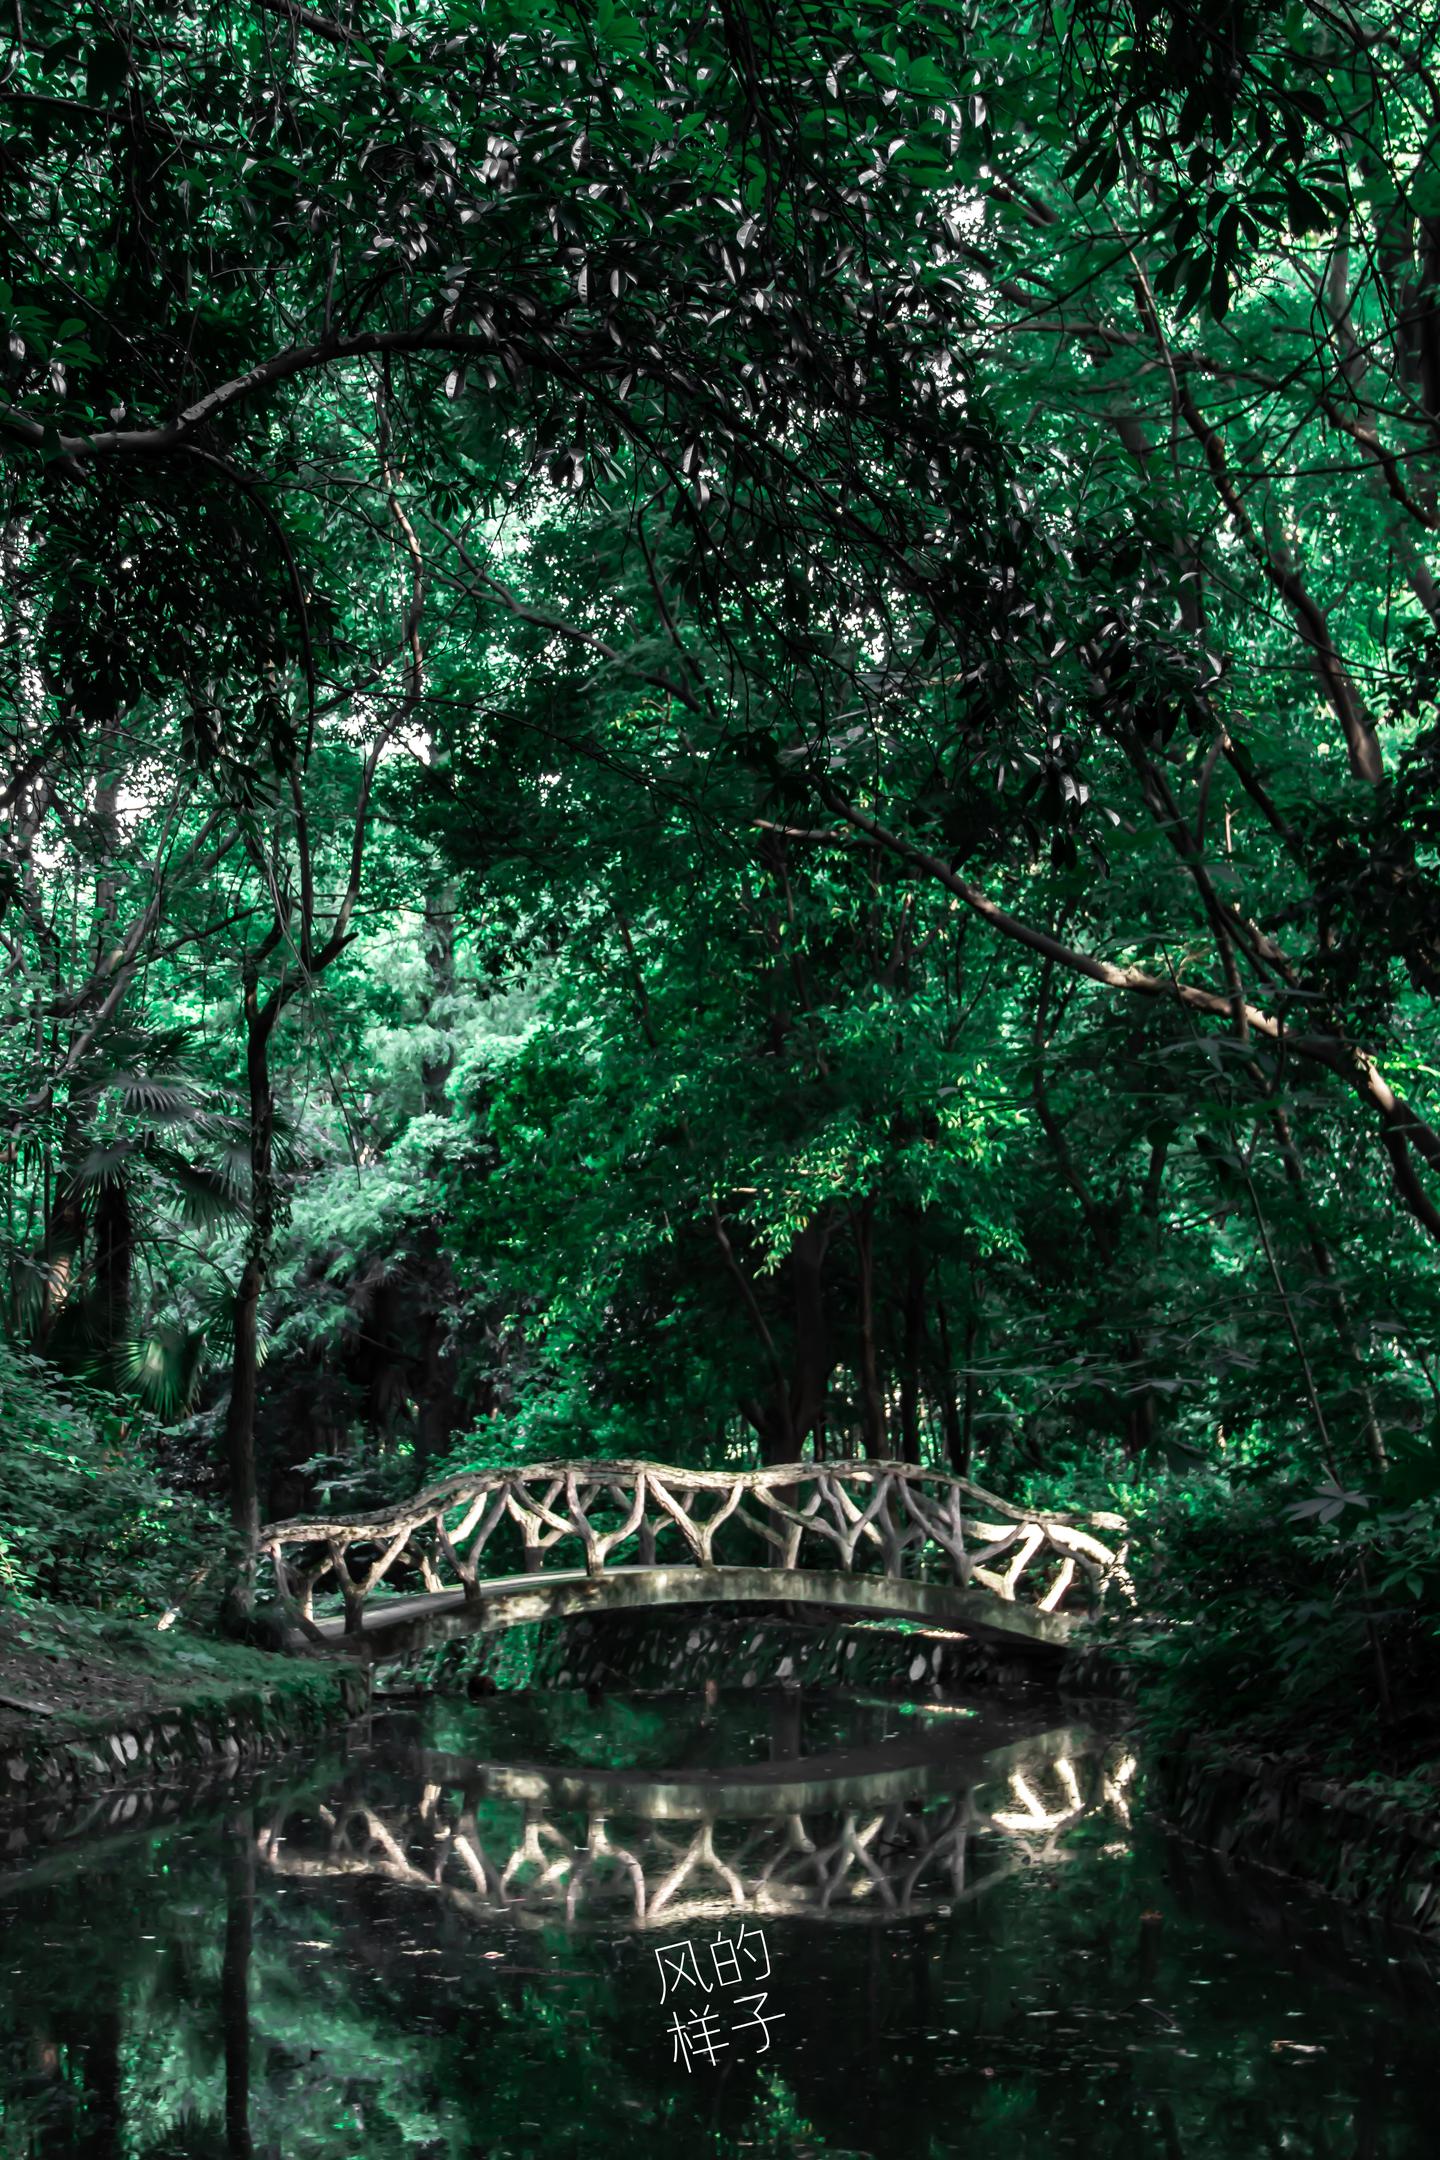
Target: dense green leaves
(723, 737)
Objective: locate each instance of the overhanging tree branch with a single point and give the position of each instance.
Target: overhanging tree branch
(1356, 724)
(1401, 1127)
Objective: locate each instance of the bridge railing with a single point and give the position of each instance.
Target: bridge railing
(857, 1517)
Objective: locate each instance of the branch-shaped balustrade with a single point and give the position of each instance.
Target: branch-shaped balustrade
(884, 1518)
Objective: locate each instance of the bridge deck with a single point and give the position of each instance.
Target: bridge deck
(395, 1626)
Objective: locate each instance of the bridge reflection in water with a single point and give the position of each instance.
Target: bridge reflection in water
(531, 1846)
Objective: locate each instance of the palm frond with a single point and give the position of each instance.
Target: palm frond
(165, 1368)
(103, 1164)
(207, 1193)
(214, 1303)
(143, 1095)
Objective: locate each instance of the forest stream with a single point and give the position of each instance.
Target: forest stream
(719, 896)
(553, 1924)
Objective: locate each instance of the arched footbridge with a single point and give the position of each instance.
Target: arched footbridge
(857, 1538)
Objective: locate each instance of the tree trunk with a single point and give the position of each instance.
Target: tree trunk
(114, 1260)
(438, 1407)
(872, 1402)
(107, 819)
(240, 1430)
(245, 1365)
(769, 1414)
(810, 1385)
(959, 1431)
(1335, 1291)
(440, 904)
(1140, 1410)
(967, 1441)
(913, 1339)
(64, 1238)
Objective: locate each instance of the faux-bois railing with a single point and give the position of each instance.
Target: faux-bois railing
(859, 1517)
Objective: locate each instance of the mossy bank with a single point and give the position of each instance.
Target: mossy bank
(1372, 1844)
(94, 1709)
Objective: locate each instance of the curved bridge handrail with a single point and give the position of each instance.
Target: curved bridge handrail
(875, 1510)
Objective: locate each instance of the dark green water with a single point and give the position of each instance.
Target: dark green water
(445, 1945)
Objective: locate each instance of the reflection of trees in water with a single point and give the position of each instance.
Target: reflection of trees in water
(1056, 2019)
(522, 1854)
(235, 1983)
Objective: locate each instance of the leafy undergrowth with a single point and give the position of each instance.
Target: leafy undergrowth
(86, 1517)
(1295, 1624)
(95, 1549)
(65, 1669)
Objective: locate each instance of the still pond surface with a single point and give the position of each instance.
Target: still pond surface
(794, 1930)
